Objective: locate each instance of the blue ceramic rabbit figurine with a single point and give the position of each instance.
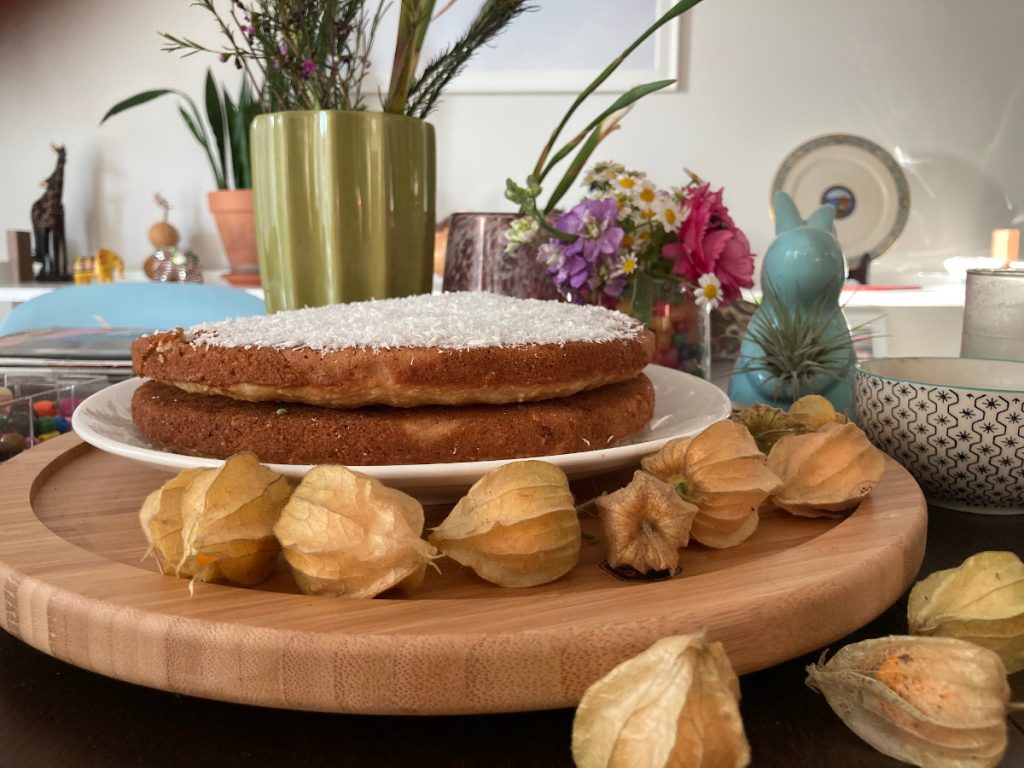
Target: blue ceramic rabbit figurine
(801, 279)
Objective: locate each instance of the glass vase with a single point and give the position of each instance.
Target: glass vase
(476, 259)
(682, 328)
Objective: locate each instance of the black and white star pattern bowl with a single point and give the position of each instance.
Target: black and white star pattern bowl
(962, 437)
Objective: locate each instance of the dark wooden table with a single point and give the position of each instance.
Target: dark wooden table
(53, 714)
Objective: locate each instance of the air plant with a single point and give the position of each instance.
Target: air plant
(798, 351)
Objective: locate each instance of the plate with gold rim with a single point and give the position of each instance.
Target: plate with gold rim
(684, 405)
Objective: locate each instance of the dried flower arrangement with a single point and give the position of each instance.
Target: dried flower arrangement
(315, 54)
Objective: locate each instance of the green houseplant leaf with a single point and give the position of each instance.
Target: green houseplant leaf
(134, 101)
(216, 121)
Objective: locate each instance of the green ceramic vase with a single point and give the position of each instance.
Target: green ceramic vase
(344, 206)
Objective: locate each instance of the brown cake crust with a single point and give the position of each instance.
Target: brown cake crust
(301, 434)
(404, 376)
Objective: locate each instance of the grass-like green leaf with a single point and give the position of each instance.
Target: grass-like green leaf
(633, 94)
(134, 101)
(216, 121)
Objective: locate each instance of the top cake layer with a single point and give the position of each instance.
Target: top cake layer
(445, 321)
(451, 349)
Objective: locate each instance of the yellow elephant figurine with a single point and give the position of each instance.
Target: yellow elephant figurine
(104, 263)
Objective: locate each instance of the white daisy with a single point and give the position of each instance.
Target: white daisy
(669, 213)
(708, 291)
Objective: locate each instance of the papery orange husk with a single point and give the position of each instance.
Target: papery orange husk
(935, 702)
(160, 517)
(645, 524)
(346, 534)
(825, 472)
(675, 704)
(517, 526)
(724, 474)
(814, 412)
(768, 425)
(228, 516)
(981, 601)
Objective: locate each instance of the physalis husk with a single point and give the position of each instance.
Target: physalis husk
(517, 526)
(814, 412)
(161, 520)
(347, 534)
(981, 601)
(724, 474)
(823, 472)
(227, 520)
(930, 701)
(645, 524)
(676, 704)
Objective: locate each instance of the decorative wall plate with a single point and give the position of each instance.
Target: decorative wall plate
(860, 179)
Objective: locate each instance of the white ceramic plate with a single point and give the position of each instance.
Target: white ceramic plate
(864, 182)
(684, 405)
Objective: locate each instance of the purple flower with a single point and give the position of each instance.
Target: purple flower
(594, 222)
(581, 268)
(307, 68)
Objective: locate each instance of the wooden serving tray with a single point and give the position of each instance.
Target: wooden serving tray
(75, 587)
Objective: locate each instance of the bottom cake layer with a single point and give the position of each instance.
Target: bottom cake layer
(286, 433)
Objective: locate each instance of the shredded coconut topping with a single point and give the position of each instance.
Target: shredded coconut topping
(448, 320)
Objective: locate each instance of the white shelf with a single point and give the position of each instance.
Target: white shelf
(21, 292)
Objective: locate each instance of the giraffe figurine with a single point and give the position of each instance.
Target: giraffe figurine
(48, 224)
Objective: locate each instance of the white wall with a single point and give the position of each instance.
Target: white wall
(937, 81)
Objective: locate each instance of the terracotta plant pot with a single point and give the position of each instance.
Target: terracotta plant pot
(232, 209)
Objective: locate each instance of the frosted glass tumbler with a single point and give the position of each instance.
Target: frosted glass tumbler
(994, 315)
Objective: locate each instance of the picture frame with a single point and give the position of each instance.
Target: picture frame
(560, 47)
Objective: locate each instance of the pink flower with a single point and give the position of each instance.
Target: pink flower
(729, 251)
(709, 242)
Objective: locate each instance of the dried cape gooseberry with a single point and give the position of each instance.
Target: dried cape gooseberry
(981, 601)
(827, 471)
(161, 521)
(517, 526)
(213, 524)
(768, 425)
(645, 524)
(724, 474)
(930, 701)
(676, 704)
(347, 534)
(814, 412)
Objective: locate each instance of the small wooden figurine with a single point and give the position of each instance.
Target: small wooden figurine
(48, 225)
(798, 342)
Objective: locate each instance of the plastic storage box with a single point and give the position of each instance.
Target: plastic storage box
(35, 407)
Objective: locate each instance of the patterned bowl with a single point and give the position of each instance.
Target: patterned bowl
(957, 424)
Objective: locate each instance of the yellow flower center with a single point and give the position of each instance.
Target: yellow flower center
(647, 194)
(629, 265)
(710, 291)
(627, 183)
(647, 214)
(627, 241)
(670, 216)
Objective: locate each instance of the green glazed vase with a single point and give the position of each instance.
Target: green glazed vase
(344, 206)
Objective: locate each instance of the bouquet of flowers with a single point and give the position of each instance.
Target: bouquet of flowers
(627, 234)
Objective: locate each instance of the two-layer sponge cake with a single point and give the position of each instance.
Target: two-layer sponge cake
(434, 378)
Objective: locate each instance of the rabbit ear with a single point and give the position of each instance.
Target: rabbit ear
(787, 217)
(822, 218)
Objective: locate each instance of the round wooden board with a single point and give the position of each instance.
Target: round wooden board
(75, 587)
